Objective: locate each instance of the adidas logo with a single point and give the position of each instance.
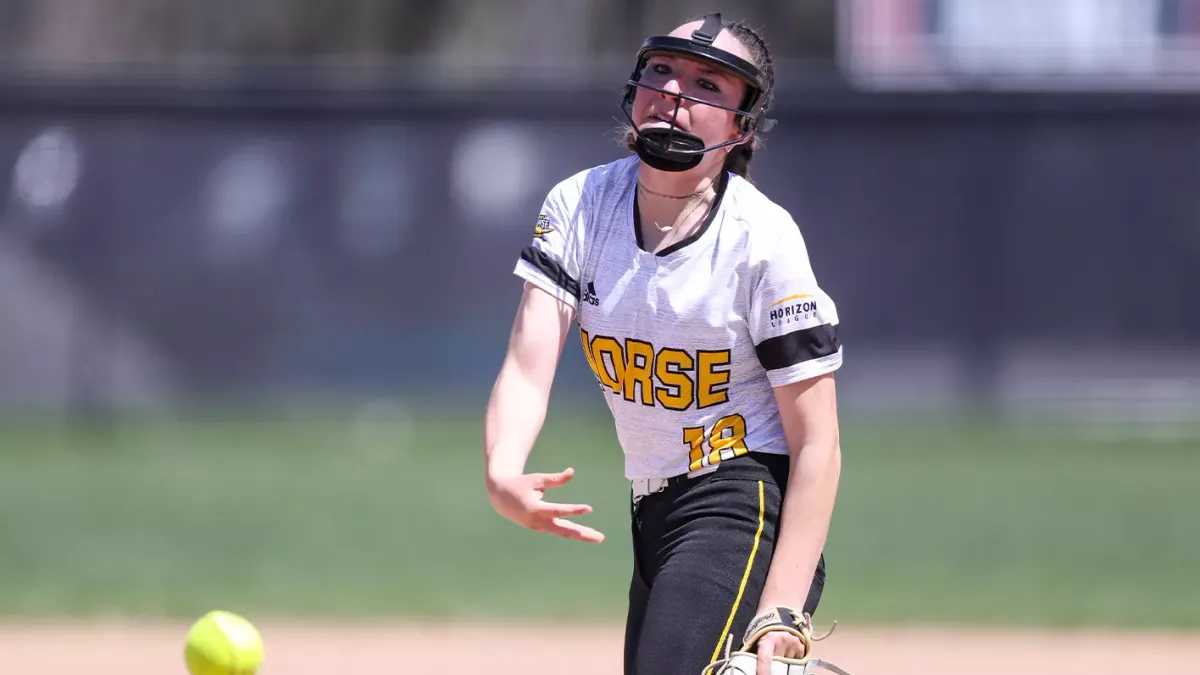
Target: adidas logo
(589, 294)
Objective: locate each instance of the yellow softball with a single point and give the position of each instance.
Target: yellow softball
(223, 643)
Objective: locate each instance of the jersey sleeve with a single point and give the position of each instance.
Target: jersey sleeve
(551, 261)
(793, 322)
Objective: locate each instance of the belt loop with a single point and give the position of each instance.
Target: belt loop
(643, 487)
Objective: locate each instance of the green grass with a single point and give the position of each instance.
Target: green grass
(323, 517)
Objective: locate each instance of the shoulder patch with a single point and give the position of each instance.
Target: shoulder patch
(542, 227)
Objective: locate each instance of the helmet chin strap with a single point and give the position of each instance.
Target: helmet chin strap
(671, 148)
(656, 147)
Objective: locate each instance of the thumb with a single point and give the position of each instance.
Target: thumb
(546, 480)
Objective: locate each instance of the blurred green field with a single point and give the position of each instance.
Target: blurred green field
(385, 514)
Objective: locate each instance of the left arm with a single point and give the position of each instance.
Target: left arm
(795, 328)
(808, 410)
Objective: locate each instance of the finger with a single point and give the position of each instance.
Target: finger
(549, 480)
(766, 653)
(569, 530)
(573, 530)
(561, 510)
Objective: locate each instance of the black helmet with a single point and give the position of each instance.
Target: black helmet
(671, 148)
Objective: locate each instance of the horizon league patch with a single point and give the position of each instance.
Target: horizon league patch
(802, 311)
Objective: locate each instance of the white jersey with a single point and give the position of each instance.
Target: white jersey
(686, 344)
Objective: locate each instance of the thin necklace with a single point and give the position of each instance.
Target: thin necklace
(667, 196)
(670, 230)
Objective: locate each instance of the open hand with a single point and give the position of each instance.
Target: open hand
(520, 499)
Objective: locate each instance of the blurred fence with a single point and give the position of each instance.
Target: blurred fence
(214, 201)
(161, 245)
(448, 43)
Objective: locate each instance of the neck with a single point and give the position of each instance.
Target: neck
(671, 205)
(680, 184)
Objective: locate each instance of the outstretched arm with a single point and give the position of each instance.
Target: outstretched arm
(516, 412)
(517, 407)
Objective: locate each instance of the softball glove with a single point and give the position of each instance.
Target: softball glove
(745, 662)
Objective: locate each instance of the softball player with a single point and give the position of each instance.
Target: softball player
(713, 346)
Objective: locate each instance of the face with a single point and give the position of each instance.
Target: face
(680, 74)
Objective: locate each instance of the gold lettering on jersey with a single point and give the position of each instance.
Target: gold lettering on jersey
(587, 352)
(694, 437)
(607, 351)
(672, 378)
(672, 366)
(710, 377)
(726, 440)
(639, 364)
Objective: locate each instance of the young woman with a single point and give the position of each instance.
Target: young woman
(713, 346)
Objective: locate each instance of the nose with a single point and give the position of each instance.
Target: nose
(672, 88)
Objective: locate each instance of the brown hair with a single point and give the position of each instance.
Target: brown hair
(737, 160)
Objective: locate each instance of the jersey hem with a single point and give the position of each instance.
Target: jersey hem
(807, 370)
(535, 276)
(712, 468)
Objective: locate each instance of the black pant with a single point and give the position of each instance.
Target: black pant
(701, 551)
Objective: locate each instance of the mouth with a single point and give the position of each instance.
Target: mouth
(665, 119)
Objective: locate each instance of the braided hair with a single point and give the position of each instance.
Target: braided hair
(738, 159)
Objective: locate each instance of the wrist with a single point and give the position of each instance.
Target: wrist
(490, 476)
(503, 462)
(789, 583)
(493, 478)
(770, 603)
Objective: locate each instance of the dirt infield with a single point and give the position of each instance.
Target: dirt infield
(316, 649)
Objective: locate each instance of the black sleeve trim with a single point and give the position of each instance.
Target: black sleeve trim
(784, 351)
(550, 268)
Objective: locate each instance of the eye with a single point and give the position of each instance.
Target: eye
(661, 69)
(709, 85)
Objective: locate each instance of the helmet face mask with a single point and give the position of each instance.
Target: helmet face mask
(671, 148)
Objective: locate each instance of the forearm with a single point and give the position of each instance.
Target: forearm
(515, 414)
(804, 524)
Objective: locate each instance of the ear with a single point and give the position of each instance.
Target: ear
(738, 129)
(737, 132)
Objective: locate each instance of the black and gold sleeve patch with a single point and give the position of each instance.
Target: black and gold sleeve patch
(551, 268)
(542, 227)
(798, 346)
